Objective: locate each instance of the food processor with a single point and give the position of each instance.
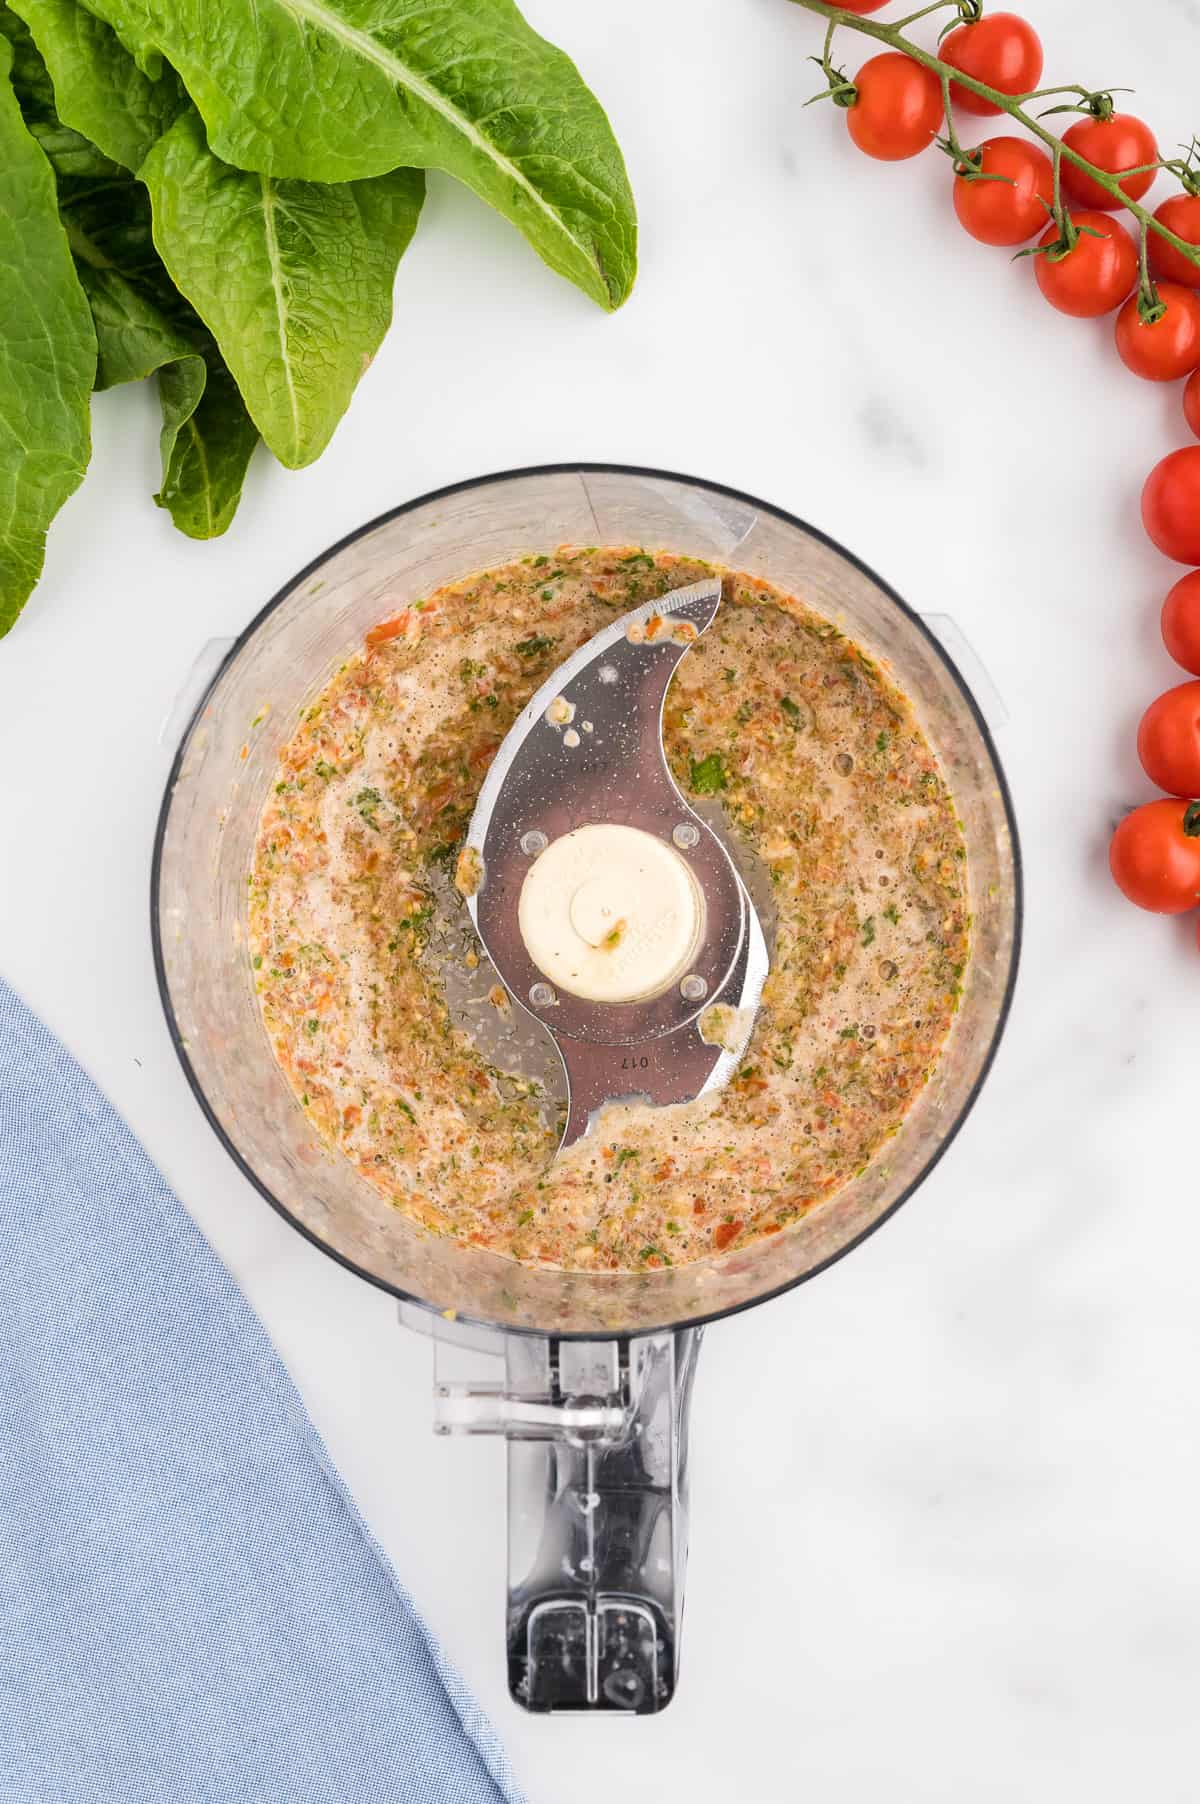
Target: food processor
(587, 1375)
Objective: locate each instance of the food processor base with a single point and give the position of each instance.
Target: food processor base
(597, 1504)
(596, 1427)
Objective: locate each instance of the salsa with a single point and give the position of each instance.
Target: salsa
(407, 1053)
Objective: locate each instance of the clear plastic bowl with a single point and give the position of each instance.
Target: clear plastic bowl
(220, 779)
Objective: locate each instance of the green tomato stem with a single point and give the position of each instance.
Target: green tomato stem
(893, 37)
(1151, 307)
(961, 159)
(1068, 231)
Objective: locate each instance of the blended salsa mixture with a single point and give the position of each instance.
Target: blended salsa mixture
(406, 1051)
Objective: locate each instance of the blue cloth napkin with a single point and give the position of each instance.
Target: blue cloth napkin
(191, 1609)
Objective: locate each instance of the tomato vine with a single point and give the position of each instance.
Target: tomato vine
(842, 91)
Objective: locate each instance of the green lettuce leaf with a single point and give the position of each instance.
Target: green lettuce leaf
(143, 326)
(27, 72)
(338, 90)
(142, 323)
(47, 356)
(294, 279)
(133, 337)
(205, 449)
(98, 87)
(69, 154)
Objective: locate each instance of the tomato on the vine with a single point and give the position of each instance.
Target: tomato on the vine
(1155, 856)
(1181, 215)
(1168, 740)
(897, 109)
(1001, 51)
(1115, 144)
(1171, 505)
(1181, 622)
(861, 6)
(1191, 402)
(1170, 347)
(1095, 274)
(1009, 207)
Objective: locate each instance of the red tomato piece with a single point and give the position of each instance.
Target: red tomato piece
(1001, 51)
(1181, 622)
(1115, 144)
(1011, 209)
(1168, 349)
(1155, 856)
(1171, 505)
(1181, 215)
(1191, 402)
(898, 109)
(1169, 740)
(1096, 274)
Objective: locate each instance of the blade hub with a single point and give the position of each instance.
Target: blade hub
(611, 913)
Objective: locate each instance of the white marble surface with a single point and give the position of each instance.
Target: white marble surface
(944, 1540)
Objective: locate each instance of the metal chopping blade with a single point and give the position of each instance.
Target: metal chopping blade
(588, 750)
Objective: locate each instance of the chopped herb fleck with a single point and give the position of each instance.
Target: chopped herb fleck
(708, 775)
(367, 801)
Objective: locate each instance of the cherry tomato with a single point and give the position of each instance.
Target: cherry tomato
(1010, 210)
(1191, 402)
(1181, 215)
(1181, 622)
(898, 110)
(1115, 144)
(1155, 856)
(861, 6)
(1171, 505)
(1171, 346)
(1096, 274)
(1168, 740)
(999, 50)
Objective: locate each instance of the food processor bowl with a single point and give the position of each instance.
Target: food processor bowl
(597, 1366)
